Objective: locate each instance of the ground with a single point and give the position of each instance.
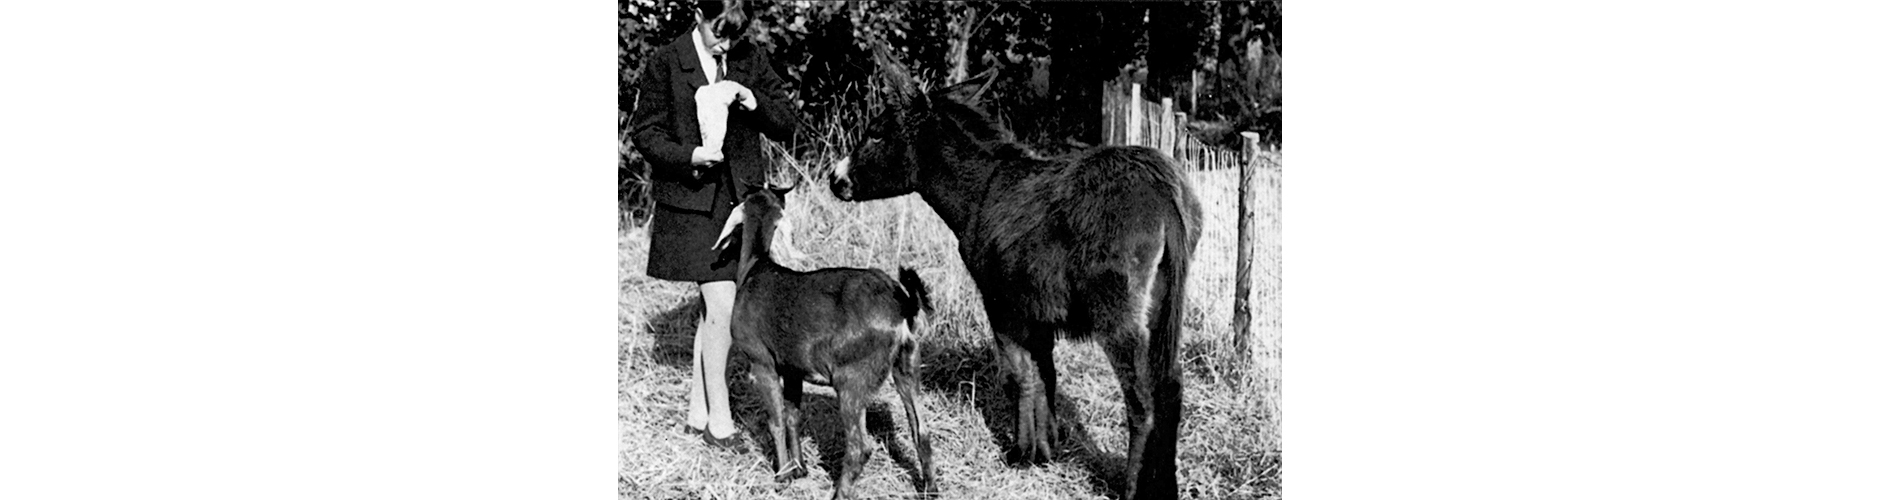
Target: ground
(1230, 438)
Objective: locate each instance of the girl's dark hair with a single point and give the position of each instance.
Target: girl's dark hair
(729, 16)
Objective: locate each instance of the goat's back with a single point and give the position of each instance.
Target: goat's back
(819, 320)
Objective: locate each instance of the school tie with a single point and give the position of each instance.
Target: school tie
(719, 68)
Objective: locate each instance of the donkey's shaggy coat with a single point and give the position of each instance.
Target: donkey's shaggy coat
(1091, 245)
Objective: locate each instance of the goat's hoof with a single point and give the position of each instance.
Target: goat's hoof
(788, 475)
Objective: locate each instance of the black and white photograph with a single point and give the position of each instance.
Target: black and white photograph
(960, 249)
(1052, 227)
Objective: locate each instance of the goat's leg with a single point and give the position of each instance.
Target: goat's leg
(854, 396)
(766, 379)
(793, 396)
(904, 376)
(1027, 355)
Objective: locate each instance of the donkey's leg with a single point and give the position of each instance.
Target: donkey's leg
(794, 396)
(904, 376)
(1126, 352)
(1026, 355)
(854, 397)
(1119, 303)
(767, 381)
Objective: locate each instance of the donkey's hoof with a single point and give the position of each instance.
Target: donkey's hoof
(1027, 456)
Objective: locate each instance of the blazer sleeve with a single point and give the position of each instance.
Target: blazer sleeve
(774, 116)
(653, 122)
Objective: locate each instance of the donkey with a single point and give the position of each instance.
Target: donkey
(843, 327)
(1095, 244)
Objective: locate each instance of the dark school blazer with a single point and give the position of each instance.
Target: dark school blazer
(666, 123)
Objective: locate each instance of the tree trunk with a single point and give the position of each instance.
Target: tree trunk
(1075, 82)
(1174, 31)
(964, 21)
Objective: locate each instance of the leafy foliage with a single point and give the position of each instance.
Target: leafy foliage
(1052, 57)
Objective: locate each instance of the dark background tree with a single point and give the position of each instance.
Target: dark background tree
(1089, 44)
(1177, 43)
(1052, 56)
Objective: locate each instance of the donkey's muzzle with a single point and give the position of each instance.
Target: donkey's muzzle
(841, 188)
(841, 179)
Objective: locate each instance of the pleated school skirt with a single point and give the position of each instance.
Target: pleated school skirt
(681, 245)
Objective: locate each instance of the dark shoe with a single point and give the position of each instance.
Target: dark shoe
(728, 443)
(690, 430)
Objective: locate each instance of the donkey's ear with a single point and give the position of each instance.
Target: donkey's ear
(896, 76)
(971, 90)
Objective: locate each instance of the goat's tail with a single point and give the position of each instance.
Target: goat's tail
(915, 303)
(916, 300)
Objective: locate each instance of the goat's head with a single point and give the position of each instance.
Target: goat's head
(753, 223)
(884, 162)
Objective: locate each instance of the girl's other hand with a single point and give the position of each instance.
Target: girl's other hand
(741, 95)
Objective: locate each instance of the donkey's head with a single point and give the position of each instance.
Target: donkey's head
(889, 155)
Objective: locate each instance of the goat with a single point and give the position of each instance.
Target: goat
(1094, 244)
(843, 327)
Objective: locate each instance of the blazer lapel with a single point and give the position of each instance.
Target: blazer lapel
(689, 61)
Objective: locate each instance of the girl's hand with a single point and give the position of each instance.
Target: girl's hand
(703, 156)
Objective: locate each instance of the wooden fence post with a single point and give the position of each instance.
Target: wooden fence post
(1194, 91)
(1243, 255)
(1180, 135)
(1165, 142)
(1134, 113)
(1108, 113)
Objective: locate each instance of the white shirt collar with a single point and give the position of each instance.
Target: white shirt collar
(706, 63)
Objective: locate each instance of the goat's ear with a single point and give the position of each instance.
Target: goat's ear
(727, 234)
(798, 178)
(971, 90)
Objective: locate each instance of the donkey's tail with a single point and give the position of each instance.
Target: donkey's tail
(916, 300)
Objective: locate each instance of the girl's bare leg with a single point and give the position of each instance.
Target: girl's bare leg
(715, 334)
(696, 389)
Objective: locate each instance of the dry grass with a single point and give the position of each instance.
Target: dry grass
(1230, 442)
